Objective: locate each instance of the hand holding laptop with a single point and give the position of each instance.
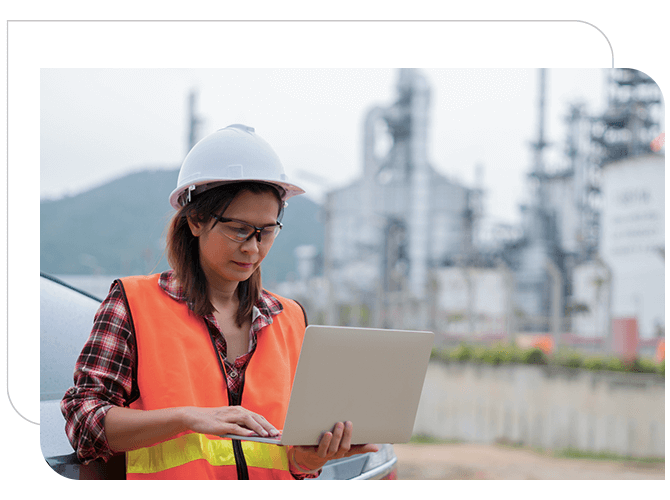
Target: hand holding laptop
(333, 445)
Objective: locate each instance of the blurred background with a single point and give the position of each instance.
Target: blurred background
(518, 214)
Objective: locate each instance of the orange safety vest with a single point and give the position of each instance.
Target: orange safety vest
(177, 365)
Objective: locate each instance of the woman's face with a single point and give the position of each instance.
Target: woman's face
(226, 262)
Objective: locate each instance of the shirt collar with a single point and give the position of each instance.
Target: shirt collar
(266, 305)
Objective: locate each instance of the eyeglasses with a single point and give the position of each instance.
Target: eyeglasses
(240, 231)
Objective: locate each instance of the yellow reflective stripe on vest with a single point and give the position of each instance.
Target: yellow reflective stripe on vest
(190, 447)
(265, 456)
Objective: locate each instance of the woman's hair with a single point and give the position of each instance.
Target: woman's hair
(183, 251)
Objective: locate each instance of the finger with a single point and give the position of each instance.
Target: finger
(338, 432)
(267, 426)
(345, 443)
(362, 448)
(272, 430)
(238, 430)
(324, 443)
(249, 421)
(269, 430)
(254, 421)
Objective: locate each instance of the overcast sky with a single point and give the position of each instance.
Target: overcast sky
(99, 124)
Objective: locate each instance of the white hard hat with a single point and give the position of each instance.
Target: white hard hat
(231, 154)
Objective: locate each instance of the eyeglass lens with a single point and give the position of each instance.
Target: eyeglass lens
(241, 231)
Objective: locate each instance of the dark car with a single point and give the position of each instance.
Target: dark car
(70, 314)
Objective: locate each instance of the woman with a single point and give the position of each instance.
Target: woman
(177, 359)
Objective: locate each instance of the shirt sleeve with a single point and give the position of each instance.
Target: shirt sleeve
(300, 475)
(297, 474)
(102, 379)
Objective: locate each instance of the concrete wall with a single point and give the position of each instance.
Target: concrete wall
(544, 407)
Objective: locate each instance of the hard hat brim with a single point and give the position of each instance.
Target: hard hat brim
(178, 196)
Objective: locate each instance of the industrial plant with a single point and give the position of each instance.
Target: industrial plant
(585, 267)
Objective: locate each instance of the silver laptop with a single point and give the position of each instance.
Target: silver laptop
(370, 377)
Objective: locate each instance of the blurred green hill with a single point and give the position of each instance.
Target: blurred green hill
(119, 229)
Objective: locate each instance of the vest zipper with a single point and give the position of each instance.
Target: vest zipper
(233, 400)
(240, 461)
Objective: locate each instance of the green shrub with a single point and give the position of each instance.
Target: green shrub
(479, 354)
(594, 363)
(534, 356)
(462, 353)
(574, 361)
(568, 358)
(495, 356)
(441, 354)
(642, 365)
(615, 365)
(513, 353)
(503, 353)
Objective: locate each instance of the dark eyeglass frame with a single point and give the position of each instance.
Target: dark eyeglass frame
(256, 232)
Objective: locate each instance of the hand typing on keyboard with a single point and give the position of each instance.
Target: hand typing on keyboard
(277, 435)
